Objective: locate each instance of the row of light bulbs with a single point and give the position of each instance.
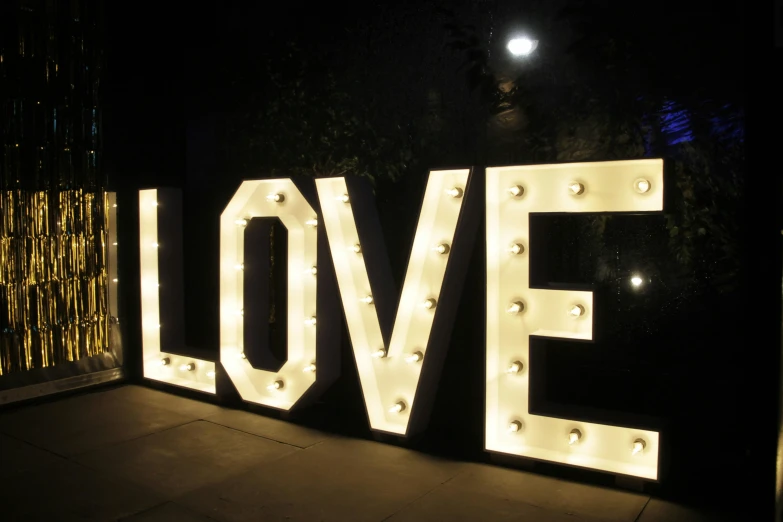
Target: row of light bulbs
(188, 367)
(575, 436)
(576, 188)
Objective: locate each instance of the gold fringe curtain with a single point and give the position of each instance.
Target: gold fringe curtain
(53, 218)
(52, 278)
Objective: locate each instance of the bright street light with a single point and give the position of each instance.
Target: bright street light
(522, 46)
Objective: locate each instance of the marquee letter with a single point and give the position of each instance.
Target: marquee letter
(313, 354)
(398, 377)
(162, 312)
(515, 311)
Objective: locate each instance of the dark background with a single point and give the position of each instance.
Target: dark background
(701, 359)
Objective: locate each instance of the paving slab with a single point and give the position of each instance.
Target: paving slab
(274, 429)
(176, 461)
(193, 409)
(66, 491)
(662, 511)
(85, 422)
(502, 485)
(17, 457)
(337, 480)
(168, 512)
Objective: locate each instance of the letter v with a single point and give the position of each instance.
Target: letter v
(399, 377)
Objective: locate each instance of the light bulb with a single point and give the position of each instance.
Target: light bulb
(516, 191)
(276, 198)
(367, 300)
(429, 304)
(414, 357)
(641, 185)
(158, 326)
(443, 248)
(242, 355)
(514, 426)
(240, 312)
(576, 311)
(187, 367)
(154, 245)
(239, 267)
(312, 222)
(114, 244)
(515, 367)
(113, 206)
(398, 407)
(636, 281)
(515, 307)
(241, 222)
(312, 270)
(574, 437)
(277, 385)
(154, 203)
(344, 198)
(379, 353)
(455, 192)
(114, 280)
(310, 321)
(310, 368)
(516, 249)
(357, 248)
(638, 446)
(211, 374)
(576, 188)
(165, 361)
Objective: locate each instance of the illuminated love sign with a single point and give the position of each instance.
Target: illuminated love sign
(399, 355)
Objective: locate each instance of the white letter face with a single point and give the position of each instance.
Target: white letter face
(390, 374)
(513, 193)
(282, 199)
(159, 365)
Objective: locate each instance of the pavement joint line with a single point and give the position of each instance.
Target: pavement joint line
(423, 495)
(642, 510)
(259, 436)
(112, 444)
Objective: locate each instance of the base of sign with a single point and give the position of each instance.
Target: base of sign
(512, 461)
(630, 483)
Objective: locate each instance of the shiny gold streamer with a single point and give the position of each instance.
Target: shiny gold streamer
(53, 279)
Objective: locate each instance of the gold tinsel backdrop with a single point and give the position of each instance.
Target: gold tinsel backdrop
(53, 206)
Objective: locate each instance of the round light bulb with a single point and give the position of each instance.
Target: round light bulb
(574, 437)
(310, 368)
(515, 367)
(398, 407)
(115, 280)
(211, 374)
(443, 248)
(113, 206)
(516, 307)
(155, 245)
(576, 188)
(276, 198)
(429, 304)
(312, 270)
(414, 357)
(240, 312)
(154, 203)
(241, 222)
(239, 267)
(636, 280)
(312, 222)
(165, 361)
(638, 446)
(642, 186)
(310, 321)
(576, 311)
(188, 367)
(114, 244)
(516, 191)
(242, 355)
(521, 46)
(514, 426)
(357, 248)
(455, 192)
(344, 198)
(277, 385)
(379, 353)
(367, 300)
(516, 249)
